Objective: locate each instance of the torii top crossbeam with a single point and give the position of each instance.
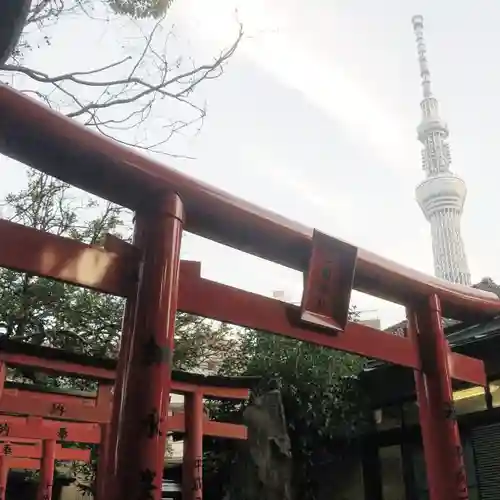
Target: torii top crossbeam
(37, 136)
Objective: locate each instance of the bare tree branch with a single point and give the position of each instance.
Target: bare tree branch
(115, 104)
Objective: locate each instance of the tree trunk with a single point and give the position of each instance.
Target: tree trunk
(13, 15)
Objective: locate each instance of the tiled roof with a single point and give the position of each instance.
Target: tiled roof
(486, 284)
(460, 336)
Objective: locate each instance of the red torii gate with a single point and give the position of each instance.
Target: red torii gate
(194, 424)
(166, 202)
(49, 432)
(84, 406)
(26, 454)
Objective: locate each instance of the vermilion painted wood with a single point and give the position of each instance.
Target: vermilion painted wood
(208, 298)
(20, 440)
(231, 305)
(146, 383)
(328, 283)
(44, 490)
(103, 463)
(38, 428)
(25, 430)
(35, 451)
(47, 469)
(276, 317)
(61, 366)
(44, 404)
(38, 136)
(192, 461)
(110, 269)
(65, 259)
(23, 463)
(105, 482)
(56, 366)
(59, 406)
(209, 391)
(34, 134)
(467, 369)
(175, 423)
(443, 451)
(4, 474)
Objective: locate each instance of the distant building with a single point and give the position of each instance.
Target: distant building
(391, 461)
(373, 323)
(442, 194)
(279, 295)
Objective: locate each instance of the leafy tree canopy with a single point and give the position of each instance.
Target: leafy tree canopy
(141, 8)
(323, 405)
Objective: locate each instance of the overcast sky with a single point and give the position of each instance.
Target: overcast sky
(315, 118)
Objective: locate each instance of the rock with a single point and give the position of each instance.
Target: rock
(263, 467)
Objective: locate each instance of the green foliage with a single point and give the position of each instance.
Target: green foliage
(323, 406)
(140, 9)
(318, 384)
(45, 312)
(201, 343)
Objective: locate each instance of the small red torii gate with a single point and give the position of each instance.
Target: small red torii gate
(44, 403)
(167, 202)
(26, 454)
(49, 432)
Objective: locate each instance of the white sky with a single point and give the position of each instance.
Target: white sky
(315, 118)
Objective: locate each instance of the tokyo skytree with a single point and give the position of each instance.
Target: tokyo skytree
(442, 194)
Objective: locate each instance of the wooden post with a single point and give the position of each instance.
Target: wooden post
(44, 491)
(443, 452)
(4, 474)
(102, 476)
(121, 373)
(146, 386)
(192, 465)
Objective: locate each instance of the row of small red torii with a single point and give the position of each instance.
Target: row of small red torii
(19, 453)
(69, 418)
(156, 284)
